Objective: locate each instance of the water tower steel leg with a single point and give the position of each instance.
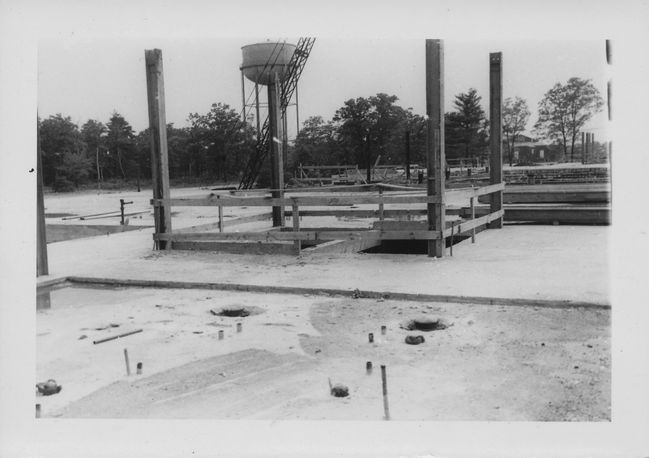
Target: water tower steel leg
(158, 132)
(496, 134)
(257, 109)
(297, 112)
(435, 157)
(277, 169)
(243, 98)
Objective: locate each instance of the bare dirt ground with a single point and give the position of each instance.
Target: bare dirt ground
(495, 362)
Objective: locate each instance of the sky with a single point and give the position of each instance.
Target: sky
(87, 79)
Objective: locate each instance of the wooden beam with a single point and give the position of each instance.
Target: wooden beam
(42, 267)
(158, 132)
(547, 214)
(278, 236)
(235, 247)
(435, 157)
(303, 201)
(468, 226)
(276, 149)
(496, 133)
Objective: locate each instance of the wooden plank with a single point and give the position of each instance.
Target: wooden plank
(303, 201)
(158, 132)
(343, 246)
(356, 213)
(466, 227)
(276, 236)
(234, 247)
(496, 132)
(435, 156)
(547, 214)
(552, 193)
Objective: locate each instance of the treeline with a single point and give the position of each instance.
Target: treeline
(216, 145)
(213, 147)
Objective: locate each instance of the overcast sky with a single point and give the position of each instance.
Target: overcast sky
(91, 78)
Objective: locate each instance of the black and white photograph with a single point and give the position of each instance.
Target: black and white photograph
(256, 238)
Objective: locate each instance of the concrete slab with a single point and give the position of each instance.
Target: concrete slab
(526, 262)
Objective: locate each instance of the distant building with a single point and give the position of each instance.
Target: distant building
(529, 150)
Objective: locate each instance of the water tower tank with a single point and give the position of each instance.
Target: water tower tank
(263, 60)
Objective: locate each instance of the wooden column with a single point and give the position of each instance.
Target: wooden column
(42, 267)
(158, 132)
(435, 157)
(276, 153)
(496, 133)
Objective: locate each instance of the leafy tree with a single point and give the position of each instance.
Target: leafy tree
(219, 143)
(565, 109)
(58, 136)
(466, 127)
(516, 114)
(316, 144)
(120, 140)
(368, 126)
(73, 170)
(93, 134)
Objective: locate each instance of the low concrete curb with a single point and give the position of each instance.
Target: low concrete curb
(478, 300)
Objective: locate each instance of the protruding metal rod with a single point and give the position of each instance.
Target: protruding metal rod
(384, 379)
(128, 366)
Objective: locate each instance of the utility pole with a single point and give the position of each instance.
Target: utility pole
(435, 157)
(496, 134)
(159, 154)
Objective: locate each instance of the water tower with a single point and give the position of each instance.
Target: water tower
(276, 65)
(267, 64)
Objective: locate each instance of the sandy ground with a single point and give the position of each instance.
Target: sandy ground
(493, 363)
(526, 262)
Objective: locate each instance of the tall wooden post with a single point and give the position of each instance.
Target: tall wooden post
(159, 155)
(435, 157)
(496, 133)
(276, 147)
(42, 267)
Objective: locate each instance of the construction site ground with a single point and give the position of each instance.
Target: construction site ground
(535, 345)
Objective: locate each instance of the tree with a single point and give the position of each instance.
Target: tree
(466, 128)
(368, 126)
(120, 140)
(219, 143)
(58, 136)
(74, 169)
(316, 144)
(565, 109)
(93, 135)
(516, 114)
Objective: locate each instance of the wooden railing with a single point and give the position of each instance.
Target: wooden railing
(297, 206)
